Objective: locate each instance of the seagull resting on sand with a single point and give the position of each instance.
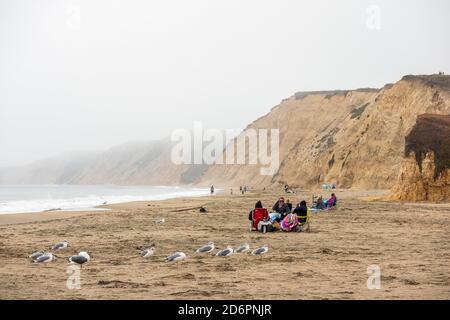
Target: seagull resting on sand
(206, 249)
(228, 251)
(35, 255)
(159, 220)
(243, 248)
(176, 256)
(46, 257)
(261, 250)
(148, 251)
(60, 245)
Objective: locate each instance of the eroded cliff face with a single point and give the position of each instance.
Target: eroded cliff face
(354, 138)
(425, 171)
(420, 184)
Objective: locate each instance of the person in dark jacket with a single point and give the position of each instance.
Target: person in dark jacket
(289, 204)
(258, 205)
(301, 211)
(282, 208)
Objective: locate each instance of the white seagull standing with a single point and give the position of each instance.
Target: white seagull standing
(79, 259)
(261, 250)
(60, 245)
(148, 251)
(46, 257)
(228, 251)
(206, 249)
(243, 248)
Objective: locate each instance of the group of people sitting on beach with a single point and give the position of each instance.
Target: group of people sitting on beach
(322, 204)
(283, 217)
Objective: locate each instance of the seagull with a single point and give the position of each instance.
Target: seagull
(176, 256)
(148, 251)
(60, 245)
(228, 251)
(79, 259)
(206, 249)
(35, 255)
(46, 257)
(243, 248)
(261, 250)
(160, 220)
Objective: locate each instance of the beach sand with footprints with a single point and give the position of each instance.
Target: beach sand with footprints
(408, 241)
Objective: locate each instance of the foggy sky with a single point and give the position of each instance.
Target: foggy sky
(87, 75)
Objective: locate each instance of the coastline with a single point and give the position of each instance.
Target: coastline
(50, 214)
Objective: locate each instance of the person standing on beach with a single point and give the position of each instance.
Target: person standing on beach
(212, 190)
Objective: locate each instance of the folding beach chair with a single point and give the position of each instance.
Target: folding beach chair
(259, 214)
(305, 226)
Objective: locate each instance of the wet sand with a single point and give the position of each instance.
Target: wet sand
(409, 242)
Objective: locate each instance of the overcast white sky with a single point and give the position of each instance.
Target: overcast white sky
(86, 75)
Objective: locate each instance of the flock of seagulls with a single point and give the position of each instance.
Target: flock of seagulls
(226, 252)
(148, 251)
(229, 250)
(43, 257)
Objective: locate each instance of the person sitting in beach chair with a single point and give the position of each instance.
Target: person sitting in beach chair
(319, 204)
(259, 218)
(332, 201)
(289, 222)
(289, 204)
(281, 208)
(303, 213)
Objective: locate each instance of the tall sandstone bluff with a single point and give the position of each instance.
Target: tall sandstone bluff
(354, 138)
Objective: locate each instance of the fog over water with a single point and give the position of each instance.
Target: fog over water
(87, 75)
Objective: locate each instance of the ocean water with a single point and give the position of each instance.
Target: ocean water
(37, 198)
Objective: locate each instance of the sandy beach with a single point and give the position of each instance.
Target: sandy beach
(408, 241)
